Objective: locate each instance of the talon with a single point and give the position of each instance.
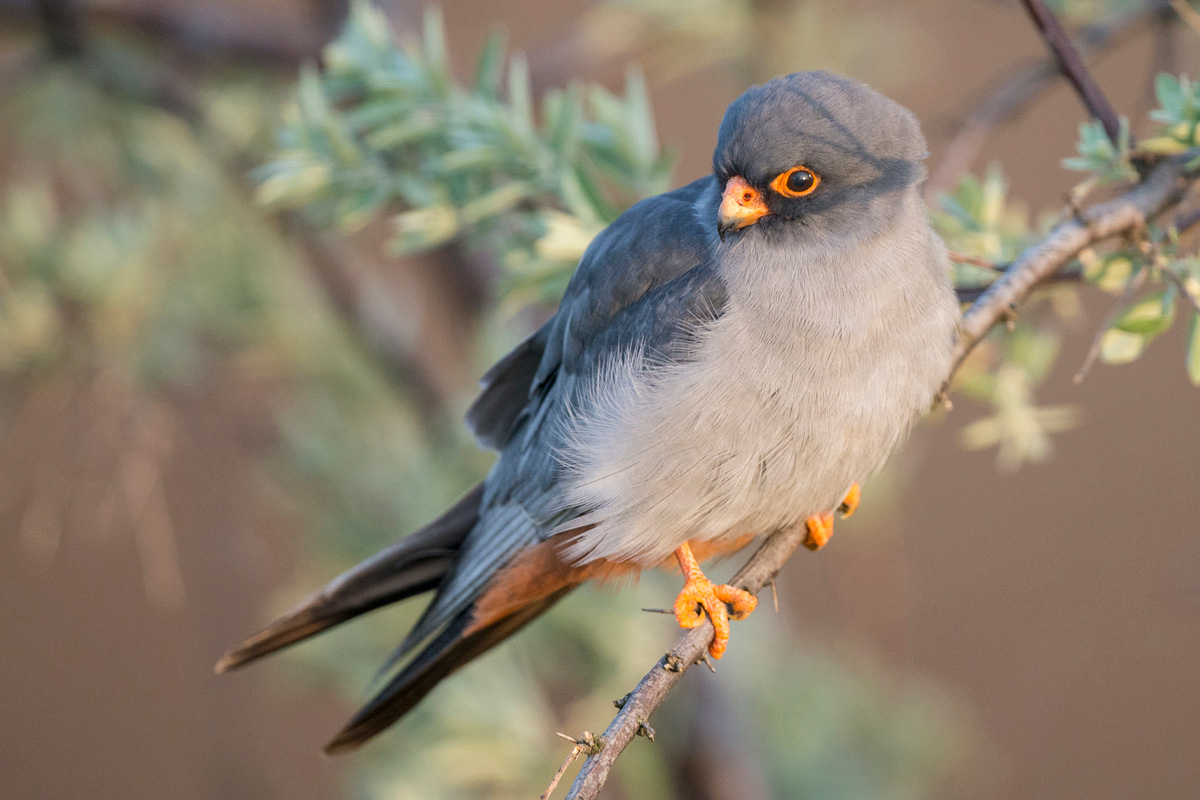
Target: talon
(740, 602)
(820, 528)
(850, 501)
(700, 597)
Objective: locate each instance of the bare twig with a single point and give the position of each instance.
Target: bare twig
(976, 261)
(1186, 220)
(1071, 65)
(1187, 14)
(1131, 290)
(1015, 93)
(653, 688)
(258, 37)
(1162, 188)
(586, 743)
(969, 294)
(61, 25)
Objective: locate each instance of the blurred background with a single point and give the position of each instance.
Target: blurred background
(229, 370)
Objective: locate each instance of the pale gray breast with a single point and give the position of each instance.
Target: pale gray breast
(806, 384)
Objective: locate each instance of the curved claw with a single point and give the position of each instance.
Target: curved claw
(700, 597)
(820, 528)
(740, 602)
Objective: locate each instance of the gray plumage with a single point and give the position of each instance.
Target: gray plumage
(690, 388)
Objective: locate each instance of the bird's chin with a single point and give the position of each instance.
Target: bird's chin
(765, 228)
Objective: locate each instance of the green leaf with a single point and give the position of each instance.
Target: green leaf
(520, 93)
(563, 112)
(433, 40)
(1098, 155)
(490, 65)
(1111, 272)
(640, 119)
(1170, 98)
(1120, 347)
(1150, 316)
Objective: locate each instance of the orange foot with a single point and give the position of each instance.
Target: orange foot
(850, 501)
(700, 596)
(820, 526)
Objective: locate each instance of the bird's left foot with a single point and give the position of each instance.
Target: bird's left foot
(820, 526)
(700, 596)
(850, 501)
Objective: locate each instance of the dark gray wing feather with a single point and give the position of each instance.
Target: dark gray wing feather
(505, 392)
(646, 280)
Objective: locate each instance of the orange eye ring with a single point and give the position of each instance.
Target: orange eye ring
(780, 184)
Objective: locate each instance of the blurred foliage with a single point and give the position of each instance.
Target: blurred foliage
(100, 261)
(383, 128)
(1109, 161)
(978, 220)
(1151, 276)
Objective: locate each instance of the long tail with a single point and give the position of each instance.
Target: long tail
(414, 565)
(453, 648)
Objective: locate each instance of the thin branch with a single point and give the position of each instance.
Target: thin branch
(1015, 93)
(1187, 14)
(1185, 221)
(588, 743)
(975, 261)
(1131, 289)
(1071, 64)
(62, 26)
(261, 38)
(654, 687)
(969, 294)
(1162, 188)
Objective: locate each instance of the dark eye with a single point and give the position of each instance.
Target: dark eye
(796, 182)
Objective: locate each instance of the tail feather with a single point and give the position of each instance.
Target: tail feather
(414, 565)
(445, 654)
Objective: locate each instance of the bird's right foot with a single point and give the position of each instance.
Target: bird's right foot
(700, 597)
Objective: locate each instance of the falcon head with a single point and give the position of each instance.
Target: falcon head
(816, 154)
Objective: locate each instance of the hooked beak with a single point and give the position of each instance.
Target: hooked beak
(741, 205)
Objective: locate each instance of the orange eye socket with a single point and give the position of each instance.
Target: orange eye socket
(796, 182)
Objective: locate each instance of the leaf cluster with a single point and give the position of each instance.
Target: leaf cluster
(384, 129)
(978, 219)
(1154, 273)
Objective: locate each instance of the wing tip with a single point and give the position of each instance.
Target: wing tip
(300, 624)
(345, 742)
(227, 662)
